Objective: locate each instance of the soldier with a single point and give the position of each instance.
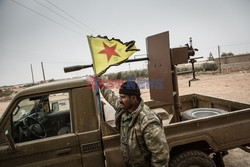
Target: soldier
(143, 142)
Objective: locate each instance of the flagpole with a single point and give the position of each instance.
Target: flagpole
(98, 97)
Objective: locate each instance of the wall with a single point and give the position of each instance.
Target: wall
(234, 59)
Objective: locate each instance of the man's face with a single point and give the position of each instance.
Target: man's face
(127, 101)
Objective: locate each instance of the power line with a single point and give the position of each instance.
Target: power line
(46, 17)
(72, 16)
(61, 16)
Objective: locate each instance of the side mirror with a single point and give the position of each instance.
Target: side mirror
(10, 140)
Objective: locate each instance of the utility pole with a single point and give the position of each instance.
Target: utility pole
(43, 71)
(219, 58)
(32, 74)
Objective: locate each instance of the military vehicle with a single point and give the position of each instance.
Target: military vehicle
(63, 123)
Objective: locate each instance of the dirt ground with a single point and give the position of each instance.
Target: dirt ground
(233, 86)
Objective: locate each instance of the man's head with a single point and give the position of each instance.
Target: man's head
(129, 95)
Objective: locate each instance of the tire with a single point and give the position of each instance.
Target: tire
(192, 158)
(201, 113)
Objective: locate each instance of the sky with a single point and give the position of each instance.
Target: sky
(54, 32)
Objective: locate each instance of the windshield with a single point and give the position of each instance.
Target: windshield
(23, 108)
(45, 104)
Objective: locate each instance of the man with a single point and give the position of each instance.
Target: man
(143, 142)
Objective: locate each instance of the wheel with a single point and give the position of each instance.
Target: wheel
(192, 158)
(35, 127)
(201, 113)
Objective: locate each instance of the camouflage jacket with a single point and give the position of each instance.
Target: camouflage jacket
(143, 142)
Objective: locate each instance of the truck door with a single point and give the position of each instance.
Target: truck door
(38, 132)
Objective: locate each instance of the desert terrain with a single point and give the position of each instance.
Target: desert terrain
(233, 86)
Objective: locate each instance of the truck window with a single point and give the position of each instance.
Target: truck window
(41, 117)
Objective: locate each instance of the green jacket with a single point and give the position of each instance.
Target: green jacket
(143, 142)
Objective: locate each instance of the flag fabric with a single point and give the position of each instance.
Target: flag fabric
(108, 52)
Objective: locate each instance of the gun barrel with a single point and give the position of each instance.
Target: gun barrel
(79, 67)
(76, 68)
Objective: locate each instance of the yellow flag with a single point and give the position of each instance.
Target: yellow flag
(107, 52)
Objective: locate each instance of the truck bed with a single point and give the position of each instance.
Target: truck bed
(219, 133)
(210, 134)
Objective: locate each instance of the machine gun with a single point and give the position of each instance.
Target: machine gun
(192, 60)
(191, 52)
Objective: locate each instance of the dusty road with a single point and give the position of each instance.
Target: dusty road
(233, 86)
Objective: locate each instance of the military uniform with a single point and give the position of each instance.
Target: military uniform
(143, 142)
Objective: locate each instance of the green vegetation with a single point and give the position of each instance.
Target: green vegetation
(207, 66)
(227, 54)
(126, 74)
(210, 57)
(28, 85)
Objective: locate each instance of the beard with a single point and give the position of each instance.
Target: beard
(125, 106)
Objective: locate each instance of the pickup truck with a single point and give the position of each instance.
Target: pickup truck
(59, 124)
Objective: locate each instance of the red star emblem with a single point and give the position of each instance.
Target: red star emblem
(109, 51)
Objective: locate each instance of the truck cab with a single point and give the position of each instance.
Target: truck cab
(54, 124)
